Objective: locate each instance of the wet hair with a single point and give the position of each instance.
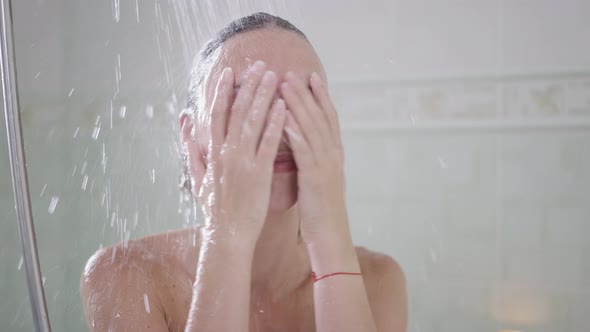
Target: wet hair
(205, 59)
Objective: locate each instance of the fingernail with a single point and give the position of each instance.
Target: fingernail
(316, 77)
(290, 76)
(258, 65)
(268, 77)
(228, 71)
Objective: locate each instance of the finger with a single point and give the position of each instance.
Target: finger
(269, 144)
(219, 111)
(311, 106)
(310, 127)
(296, 106)
(300, 147)
(252, 131)
(320, 92)
(243, 101)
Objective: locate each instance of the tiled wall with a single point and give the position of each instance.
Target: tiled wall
(487, 213)
(477, 181)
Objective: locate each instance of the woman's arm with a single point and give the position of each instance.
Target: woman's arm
(340, 301)
(233, 184)
(221, 293)
(377, 301)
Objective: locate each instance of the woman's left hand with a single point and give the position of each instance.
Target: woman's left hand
(314, 136)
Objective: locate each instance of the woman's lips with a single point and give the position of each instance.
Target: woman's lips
(284, 163)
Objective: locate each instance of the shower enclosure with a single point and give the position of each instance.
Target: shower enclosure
(465, 124)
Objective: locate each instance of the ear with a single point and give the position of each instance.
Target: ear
(186, 126)
(196, 160)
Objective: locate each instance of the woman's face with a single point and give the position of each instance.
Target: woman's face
(282, 51)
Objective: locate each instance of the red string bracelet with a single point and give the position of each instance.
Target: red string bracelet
(315, 278)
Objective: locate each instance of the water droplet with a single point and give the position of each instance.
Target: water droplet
(111, 113)
(83, 170)
(170, 108)
(433, 255)
(76, 132)
(153, 175)
(104, 160)
(146, 303)
(84, 182)
(43, 190)
(122, 111)
(149, 111)
(37, 76)
(71, 92)
(127, 235)
(53, 204)
(116, 11)
(95, 133)
(20, 263)
(442, 163)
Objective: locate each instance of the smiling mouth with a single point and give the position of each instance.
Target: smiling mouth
(284, 163)
(284, 157)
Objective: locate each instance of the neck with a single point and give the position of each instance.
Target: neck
(280, 264)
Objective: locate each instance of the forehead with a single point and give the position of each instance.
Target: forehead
(280, 49)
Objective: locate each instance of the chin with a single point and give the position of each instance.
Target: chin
(283, 194)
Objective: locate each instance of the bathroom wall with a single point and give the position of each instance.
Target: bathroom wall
(466, 126)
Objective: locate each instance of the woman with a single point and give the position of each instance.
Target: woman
(265, 160)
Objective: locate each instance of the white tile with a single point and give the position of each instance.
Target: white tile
(443, 307)
(534, 168)
(557, 34)
(568, 226)
(579, 311)
(578, 97)
(534, 99)
(359, 104)
(433, 36)
(454, 165)
(373, 164)
(585, 268)
(470, 263)
(554, 268)
(471, 220)
(522, 227)
(528, 308)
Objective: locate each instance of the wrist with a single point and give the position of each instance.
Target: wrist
(333, 253)
(227, 238)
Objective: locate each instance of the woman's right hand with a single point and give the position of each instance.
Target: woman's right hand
(236, 174)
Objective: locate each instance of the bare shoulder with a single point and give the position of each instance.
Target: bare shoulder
(385, 284)
(145, 255)
(376, 265)
(122, 285)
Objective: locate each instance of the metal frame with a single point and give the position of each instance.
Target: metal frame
(20, 183)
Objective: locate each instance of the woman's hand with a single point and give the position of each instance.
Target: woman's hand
(235, 177)
(314, 136)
